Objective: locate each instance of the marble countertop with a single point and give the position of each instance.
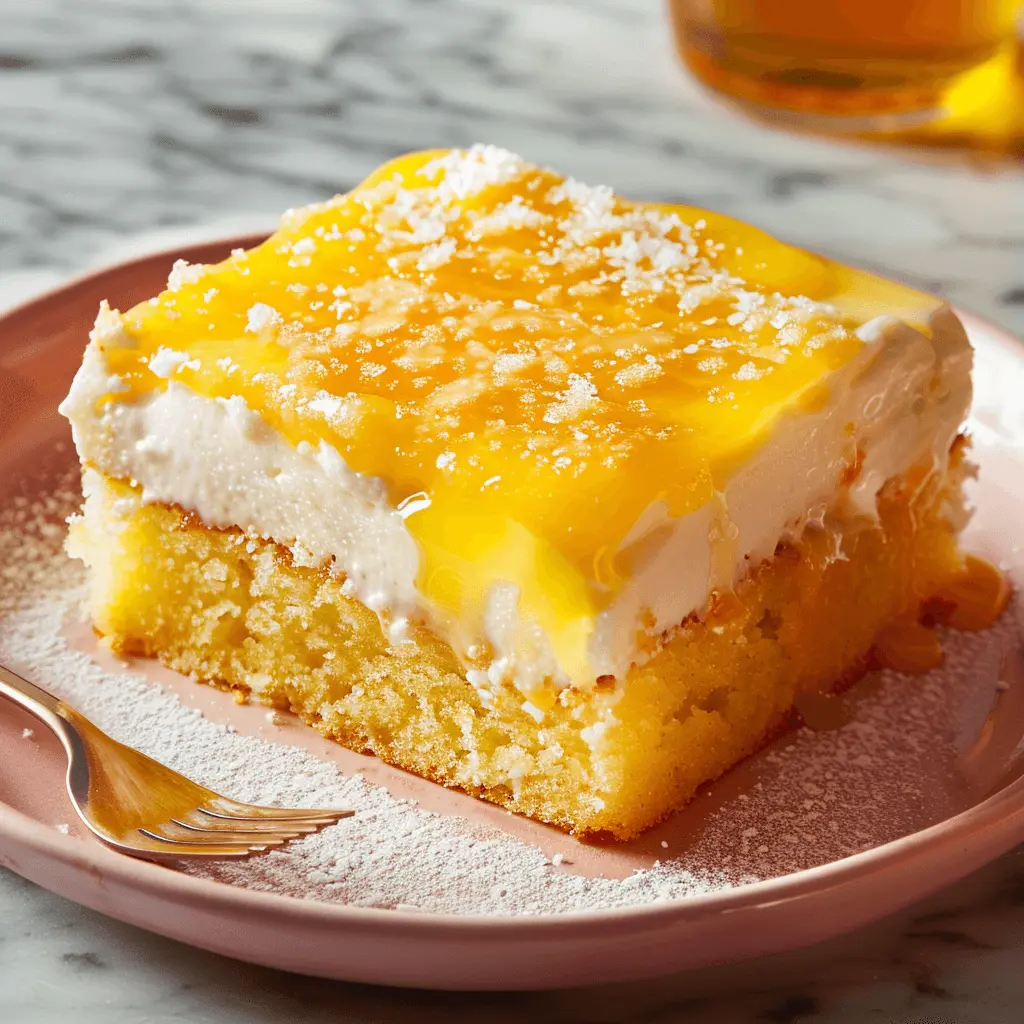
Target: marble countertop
(124, 124)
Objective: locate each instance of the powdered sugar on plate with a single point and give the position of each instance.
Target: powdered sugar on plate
(908, 758)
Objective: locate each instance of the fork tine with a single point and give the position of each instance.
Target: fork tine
(199, 821)
(224, 808)
(111, 784)
(163, 849)
(174, 830)
(238, 841)
(203, 819)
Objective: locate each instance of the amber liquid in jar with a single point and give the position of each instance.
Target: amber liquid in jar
(830, 60)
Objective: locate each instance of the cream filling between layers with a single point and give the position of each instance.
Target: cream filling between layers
(900, 401)
(220, 459)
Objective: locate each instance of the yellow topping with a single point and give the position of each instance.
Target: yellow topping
(526, 361)
(975, 598)
(908, 646)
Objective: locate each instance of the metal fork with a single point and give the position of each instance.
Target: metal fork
(143, 808)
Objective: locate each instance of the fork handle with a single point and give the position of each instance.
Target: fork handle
(34, 699)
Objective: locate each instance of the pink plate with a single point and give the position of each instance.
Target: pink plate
(972, 776)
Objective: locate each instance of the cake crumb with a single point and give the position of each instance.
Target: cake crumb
(27, 734)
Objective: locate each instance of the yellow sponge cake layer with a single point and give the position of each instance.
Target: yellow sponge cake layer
(613, 759)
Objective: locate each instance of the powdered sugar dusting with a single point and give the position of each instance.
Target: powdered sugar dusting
(897, 766)
(390, 854)
(900, 764)
(466, 173)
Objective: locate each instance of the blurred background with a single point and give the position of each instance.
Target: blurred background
(121, 117)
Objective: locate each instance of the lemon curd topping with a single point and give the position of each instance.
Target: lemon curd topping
(528, 364)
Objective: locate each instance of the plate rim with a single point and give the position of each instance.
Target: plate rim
(973, 824)
(1001, 812)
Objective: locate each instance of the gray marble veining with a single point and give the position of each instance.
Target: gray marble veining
(118, 116)
(124, 124)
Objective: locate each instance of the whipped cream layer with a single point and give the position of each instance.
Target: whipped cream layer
(899, 403)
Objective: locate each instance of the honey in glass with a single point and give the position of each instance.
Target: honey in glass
(848, 63)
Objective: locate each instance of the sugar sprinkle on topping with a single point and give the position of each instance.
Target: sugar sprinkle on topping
(183, 273)
(466, 173)
(329, 405)
(436, 255)
(572, 402)
(261, 316)
(166, 361)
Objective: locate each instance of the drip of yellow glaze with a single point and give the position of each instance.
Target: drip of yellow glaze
(975, 598)
(540, 360)
(908, 646)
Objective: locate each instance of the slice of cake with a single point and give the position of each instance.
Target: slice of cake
(532, 490)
